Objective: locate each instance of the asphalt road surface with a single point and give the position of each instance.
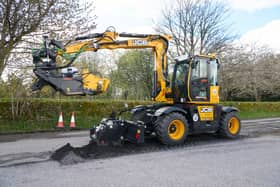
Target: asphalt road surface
(252, 160)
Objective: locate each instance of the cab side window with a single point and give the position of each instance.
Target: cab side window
(213, 72)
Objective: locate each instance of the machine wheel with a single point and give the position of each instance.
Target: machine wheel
(172, 129)
(230, 125)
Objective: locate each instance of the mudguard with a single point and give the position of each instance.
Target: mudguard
(169, 109)
(228, 109)
(138, 109)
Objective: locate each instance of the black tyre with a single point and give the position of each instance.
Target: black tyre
(230, 125)
(172, 129)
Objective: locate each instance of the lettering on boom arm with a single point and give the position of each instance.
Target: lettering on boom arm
(139, 42)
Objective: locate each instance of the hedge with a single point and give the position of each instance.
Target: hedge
(43, 113)
(255, 106)
(48, 108)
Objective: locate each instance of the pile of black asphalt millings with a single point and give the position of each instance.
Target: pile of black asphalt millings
(67, 155)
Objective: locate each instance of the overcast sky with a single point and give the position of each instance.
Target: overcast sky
(255, 21)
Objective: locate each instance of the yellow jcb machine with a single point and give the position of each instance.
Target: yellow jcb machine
(187, 104)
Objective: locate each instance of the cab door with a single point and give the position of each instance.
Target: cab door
(179, 82)
(203, 80)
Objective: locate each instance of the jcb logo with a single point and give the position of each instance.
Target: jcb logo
(204, 110)
(139, 42)
(206, 113)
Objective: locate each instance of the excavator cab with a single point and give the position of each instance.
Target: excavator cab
(195, 80)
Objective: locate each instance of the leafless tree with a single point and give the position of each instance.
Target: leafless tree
(196, 26)
(249, 72)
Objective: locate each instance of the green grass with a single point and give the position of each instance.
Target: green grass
(17, 126)
(258, 115)
(25, 126)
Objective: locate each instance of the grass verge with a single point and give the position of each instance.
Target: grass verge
(17, 126)
(258, 115)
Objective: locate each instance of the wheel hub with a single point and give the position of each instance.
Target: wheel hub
(172, 129)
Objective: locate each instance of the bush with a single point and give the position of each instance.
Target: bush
(255, 106)
(39, 109)
(49, 108)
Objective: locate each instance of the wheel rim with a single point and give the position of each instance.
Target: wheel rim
(233, 125)
(176, 130)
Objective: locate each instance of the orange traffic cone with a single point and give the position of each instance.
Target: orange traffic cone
(72, 122)
(60, 121)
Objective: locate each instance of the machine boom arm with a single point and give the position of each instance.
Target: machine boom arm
(109, 40)
(69, 83)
